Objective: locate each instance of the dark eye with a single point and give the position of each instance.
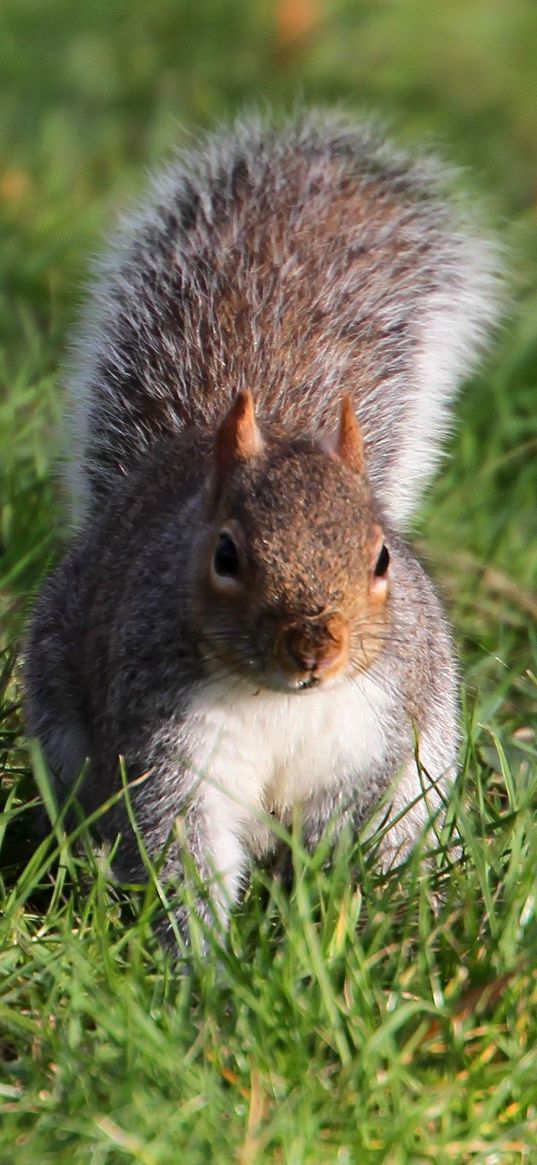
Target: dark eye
(382, 563)
(226, 558)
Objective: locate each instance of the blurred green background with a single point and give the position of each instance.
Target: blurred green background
(95, 94)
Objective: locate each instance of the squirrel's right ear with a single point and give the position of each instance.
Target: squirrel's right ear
(238, 437)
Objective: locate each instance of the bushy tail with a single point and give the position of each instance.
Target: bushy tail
(299, 262)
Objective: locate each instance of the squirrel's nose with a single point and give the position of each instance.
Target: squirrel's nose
(315, 648)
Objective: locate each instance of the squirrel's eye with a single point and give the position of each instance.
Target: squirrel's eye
(382, 563)
(226, 558)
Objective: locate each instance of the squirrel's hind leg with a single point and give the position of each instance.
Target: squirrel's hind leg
(412, 809)
(414, 812)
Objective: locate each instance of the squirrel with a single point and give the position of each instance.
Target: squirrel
(259, 391)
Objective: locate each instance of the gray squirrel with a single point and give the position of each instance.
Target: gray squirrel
(259, 393)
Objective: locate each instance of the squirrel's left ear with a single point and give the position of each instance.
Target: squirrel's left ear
(347, 442)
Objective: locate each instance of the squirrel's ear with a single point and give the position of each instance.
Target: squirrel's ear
(347, 442)
(238, 437)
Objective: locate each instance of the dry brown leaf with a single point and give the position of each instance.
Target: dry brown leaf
(296, 20)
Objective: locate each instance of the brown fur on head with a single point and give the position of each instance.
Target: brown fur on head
(293, 591)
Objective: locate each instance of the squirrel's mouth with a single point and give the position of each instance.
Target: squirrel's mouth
(309, 682)
(281, 680)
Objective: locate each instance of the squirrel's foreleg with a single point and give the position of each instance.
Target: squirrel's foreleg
(192, 854)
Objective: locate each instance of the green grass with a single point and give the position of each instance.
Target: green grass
(358, 1018)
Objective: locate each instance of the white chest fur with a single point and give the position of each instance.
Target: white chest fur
(265, 752)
